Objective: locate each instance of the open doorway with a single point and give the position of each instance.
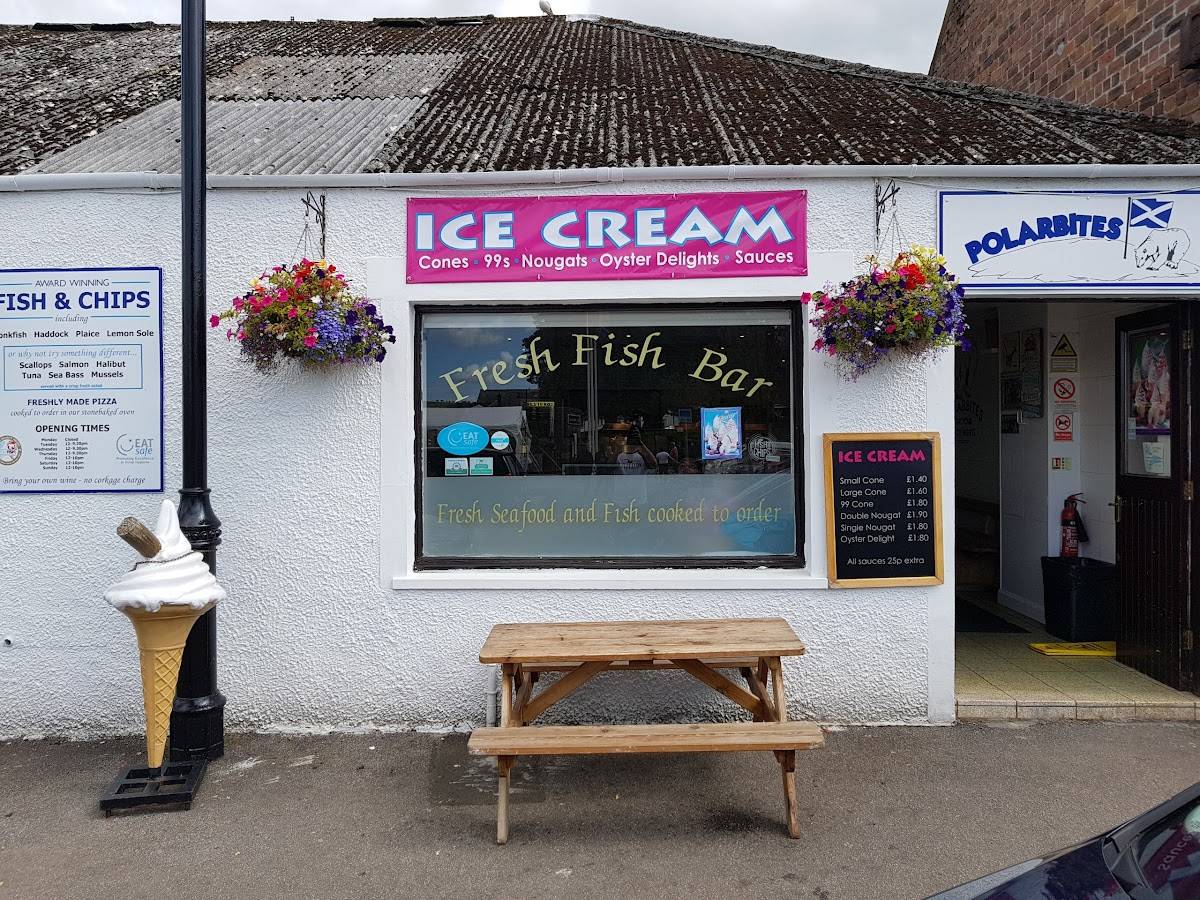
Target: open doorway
(1086, 399)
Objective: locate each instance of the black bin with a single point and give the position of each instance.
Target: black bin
(1080, 597)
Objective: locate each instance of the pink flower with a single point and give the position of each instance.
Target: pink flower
(293, 312)
(238, 303)
(819, 344)
(214, 321)
(890, 328)
(805, 297)
(228, 334)
(310, 341)
(241, 335)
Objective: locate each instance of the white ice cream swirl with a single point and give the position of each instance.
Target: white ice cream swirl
(176, 576)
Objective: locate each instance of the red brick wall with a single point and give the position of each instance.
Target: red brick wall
(1118, 54)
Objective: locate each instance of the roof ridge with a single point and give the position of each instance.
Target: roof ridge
(912, 79)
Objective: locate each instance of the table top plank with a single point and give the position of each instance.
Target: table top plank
(708, 639)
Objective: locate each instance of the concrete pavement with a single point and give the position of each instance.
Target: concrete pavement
(886, 813)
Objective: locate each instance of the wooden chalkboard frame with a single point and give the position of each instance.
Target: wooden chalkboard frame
(935, 441)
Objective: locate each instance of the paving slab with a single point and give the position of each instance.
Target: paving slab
(887, 812)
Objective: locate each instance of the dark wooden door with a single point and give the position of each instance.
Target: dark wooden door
(1153, 481)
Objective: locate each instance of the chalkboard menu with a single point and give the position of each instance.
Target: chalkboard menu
(883, 509)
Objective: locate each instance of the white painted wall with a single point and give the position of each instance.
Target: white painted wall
(1098, 418)
(1061, 318)
(310, 482)
(1092, 326)
(1023, 487)
(977, 416)
(1096, 433)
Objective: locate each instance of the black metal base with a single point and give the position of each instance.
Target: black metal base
(175, 784)
(198, 723)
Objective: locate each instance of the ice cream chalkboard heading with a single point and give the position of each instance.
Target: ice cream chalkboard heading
(167, 590)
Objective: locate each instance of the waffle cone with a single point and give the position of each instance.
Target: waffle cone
(161, 636)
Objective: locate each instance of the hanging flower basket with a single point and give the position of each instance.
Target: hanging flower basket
(911, 307)
(305, 311)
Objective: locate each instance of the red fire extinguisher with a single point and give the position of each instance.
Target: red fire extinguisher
(1073, 532)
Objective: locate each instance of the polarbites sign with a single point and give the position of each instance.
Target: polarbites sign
(629, 236)
(1072, 239)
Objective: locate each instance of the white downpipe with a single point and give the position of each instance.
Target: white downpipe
(493, 696)
(99, 181)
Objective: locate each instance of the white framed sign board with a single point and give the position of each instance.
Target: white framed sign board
(81, 388)
(1099, 241)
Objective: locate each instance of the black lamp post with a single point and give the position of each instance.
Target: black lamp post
(198, 719)
(197, 732)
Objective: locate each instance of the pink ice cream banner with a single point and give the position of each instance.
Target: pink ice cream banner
(639, 236)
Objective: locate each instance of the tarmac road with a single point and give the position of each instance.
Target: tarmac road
(886, 813)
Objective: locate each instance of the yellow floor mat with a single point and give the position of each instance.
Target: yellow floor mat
(1106, 649)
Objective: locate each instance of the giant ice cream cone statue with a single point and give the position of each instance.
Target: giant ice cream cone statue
(165, 593)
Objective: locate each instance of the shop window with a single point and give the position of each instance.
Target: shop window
(652, 436)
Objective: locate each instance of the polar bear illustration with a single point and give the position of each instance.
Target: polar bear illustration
(1162, 247)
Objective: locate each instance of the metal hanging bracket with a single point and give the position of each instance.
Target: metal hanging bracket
(885, 202)
(315, 206)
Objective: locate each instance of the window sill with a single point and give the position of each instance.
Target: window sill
(609, 579)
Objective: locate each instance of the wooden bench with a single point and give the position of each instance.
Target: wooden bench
(783, 738)
(583, 650)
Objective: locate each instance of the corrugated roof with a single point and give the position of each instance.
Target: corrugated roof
(247, 137)
(488, 94)
(334, 77)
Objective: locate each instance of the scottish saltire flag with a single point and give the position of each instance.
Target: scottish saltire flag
(1148, 212)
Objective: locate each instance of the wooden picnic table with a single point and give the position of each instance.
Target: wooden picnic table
(704, 648)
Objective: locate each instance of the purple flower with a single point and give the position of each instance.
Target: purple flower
(332, 333)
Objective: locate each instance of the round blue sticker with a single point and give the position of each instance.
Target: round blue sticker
(462, 438)
(500, 440)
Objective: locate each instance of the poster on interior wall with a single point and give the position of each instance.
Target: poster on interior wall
(1148, 398)
(601, 238)
(1010, 353)
(81, 399)
(1107, 241)
(1010, 393)
(1033, 401)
